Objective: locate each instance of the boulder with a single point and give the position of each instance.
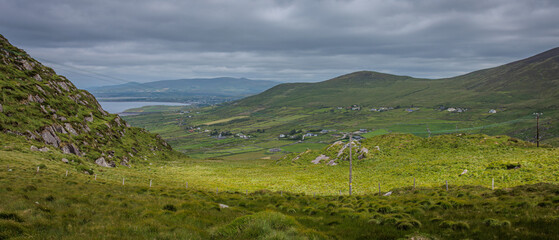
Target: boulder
(70, 148)
(64, 160)
(44, 149)
(70, 129)
(49, 136)
(223, 206)
(125, 162)
(101, 162)
(320, 158)
(332, 163)
(35, 149)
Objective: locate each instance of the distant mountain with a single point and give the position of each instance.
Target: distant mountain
(46, 109)
(532, 82)
(220, 89)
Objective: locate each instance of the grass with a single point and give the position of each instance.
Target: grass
(50, 204)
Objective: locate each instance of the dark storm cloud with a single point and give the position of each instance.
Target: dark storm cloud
(280, 40)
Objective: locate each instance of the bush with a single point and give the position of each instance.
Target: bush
(11, 216)
(170, 207)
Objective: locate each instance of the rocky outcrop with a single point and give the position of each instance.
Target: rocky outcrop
(103, 163)
(70, 129)
(320, 158)
(125, 162)
(70, 148)
(49, 136)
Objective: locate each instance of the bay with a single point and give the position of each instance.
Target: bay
(119, 107)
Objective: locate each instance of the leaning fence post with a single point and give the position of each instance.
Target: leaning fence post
(150, 183)
(379, 189)
(492, 183)
(447, 185)
(122, 181)
(66, 173)
(413, 183)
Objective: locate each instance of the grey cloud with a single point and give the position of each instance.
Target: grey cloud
(279, 40)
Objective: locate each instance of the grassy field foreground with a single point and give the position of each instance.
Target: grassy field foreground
(280, 201)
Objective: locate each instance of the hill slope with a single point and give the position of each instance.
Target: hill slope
(529, 82)
(47, 109)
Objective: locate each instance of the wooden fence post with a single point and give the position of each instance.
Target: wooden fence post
(66, 173)
(123, 181)
(413, 183)
(216, 190)
(37, 169)
(379, 189)
(95, 177)
(492, 183)
(150, 183)
(447, 185)
(186, 184)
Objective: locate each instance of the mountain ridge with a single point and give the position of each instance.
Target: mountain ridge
(514, 82)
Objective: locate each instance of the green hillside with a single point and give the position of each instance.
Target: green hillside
(47, 110)
(532, 82)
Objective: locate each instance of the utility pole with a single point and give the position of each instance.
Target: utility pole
(538, 128)
(350, 163)
(429, 131)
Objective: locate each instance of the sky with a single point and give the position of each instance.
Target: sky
(106, 42)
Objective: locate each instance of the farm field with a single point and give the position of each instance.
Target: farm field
(195, 133)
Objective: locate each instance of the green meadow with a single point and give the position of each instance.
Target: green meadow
(278, 198)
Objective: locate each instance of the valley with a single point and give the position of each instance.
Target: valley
(429, 159)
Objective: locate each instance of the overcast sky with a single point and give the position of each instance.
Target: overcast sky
(105, 42)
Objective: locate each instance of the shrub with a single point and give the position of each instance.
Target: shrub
(170, 207)
(261, 225)
(491, 222)
(11, 216)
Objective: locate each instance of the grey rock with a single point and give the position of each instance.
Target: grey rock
(33, 148)
(320, 158)
(59, 129)
(71, 149)
(70, 129)
(64, 86)
(27, 65)
(89, 119)
(332, 163)
(64, 160)
(101, 162)
(38, 77)
(387, 194)
(49, 137)
(125, 162)
(223, 206)
(44, 149)
(1, 108)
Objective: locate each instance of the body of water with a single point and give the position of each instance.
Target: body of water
(118, 107)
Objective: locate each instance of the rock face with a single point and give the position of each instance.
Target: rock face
(42, 106)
